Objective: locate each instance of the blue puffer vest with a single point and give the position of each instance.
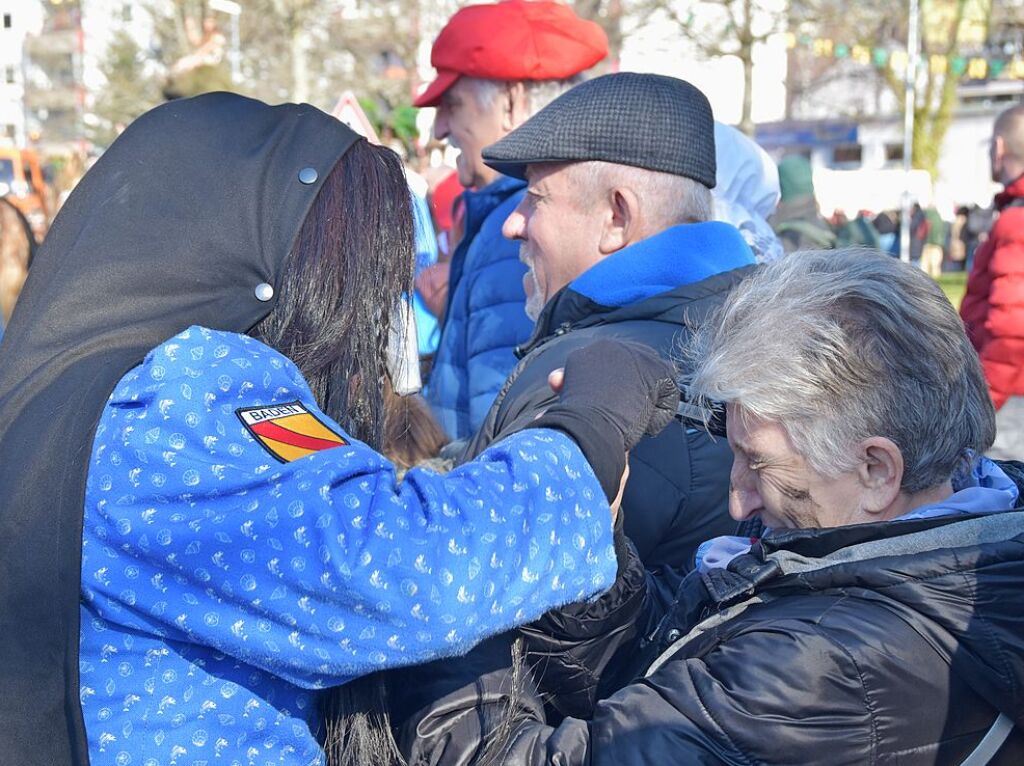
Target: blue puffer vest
(485, 319)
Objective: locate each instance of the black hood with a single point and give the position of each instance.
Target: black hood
(196, 204)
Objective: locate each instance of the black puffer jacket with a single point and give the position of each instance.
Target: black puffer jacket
(677, 493)
(898, 642)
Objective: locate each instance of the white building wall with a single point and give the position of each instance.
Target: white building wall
(964, 174)
(25, 17)
(964, 168)
(877, 184)
(845, 89)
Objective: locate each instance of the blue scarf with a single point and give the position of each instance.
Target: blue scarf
(681, 255)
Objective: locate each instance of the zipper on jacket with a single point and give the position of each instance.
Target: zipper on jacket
(524, 350)
(562, 329)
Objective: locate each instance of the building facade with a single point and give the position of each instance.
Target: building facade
(18, 20)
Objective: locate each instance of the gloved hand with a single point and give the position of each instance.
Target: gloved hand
(626, 385)
(613, 393)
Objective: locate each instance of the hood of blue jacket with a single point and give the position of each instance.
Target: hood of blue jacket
(680, 255)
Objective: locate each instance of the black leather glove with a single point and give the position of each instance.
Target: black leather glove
(614, 393)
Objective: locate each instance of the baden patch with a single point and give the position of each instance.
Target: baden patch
(288, 431)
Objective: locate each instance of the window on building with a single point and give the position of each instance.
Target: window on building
(7, 21)
(9, 75)
(894, 152)
(847, 155)
(10, 131)
(126, 12)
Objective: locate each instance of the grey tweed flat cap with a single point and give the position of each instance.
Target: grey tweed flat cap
(645, 120)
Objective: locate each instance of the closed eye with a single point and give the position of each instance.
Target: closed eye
(793, 493)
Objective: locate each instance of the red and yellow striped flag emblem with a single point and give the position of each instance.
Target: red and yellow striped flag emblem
(288, 431)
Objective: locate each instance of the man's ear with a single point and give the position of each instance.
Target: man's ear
(621, 224)
(998, 158)
(514, 107)
(880, 472)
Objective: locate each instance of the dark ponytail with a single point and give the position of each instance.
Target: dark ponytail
(351, 262)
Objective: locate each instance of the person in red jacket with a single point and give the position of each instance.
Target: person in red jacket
(993, 307)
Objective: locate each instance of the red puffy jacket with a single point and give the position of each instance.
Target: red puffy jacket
(993, 307)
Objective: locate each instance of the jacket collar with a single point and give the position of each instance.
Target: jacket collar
(478, 206)
(653, 279)
(680, 255)
(1013, 190)
(484, 200)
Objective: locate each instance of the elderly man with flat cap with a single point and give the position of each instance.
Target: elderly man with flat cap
(617, 236)
(497, 65)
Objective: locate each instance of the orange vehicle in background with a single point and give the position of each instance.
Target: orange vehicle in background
(23, 185)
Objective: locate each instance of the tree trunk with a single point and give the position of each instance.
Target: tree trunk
(933, 118)
(300, 65)
(746, 52)
(746, 118)
(610, 19)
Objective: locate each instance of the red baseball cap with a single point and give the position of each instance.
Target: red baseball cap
(513, 40)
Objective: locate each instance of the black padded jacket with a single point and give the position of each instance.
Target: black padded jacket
(677, 493)
(899, 642)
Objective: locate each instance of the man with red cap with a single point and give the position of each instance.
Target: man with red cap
(496, 65)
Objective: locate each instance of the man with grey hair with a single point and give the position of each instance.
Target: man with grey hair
(616, 232)
(872, 611)
(496, 65)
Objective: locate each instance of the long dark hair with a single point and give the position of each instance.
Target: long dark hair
(412, 435)
(350, 264)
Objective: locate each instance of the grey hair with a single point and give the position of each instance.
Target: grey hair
(843, 345)
(539, 93)
(666, 199)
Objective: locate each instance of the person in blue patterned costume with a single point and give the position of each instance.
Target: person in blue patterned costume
(197, 362)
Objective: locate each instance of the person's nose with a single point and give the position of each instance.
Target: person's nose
(441, 129)
(744, 497)
(514, 226)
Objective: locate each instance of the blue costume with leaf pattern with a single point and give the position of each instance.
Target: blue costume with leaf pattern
(221, 587)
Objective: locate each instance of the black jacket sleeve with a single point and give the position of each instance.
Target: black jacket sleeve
(779, 696)
(569, 649)
(444, 709)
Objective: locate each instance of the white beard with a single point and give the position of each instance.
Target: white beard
(534, 299)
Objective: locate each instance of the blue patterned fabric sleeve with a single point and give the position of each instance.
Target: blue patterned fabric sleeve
(324, 568)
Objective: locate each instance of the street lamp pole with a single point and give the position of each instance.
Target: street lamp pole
(910, 83)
